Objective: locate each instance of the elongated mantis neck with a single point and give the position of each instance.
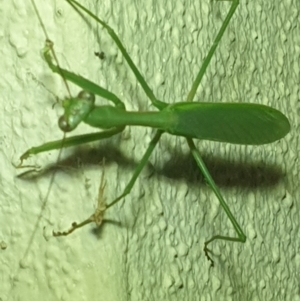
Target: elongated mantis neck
(106, 117)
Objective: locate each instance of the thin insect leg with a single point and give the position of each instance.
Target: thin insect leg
(212, 50)
(69, 141)
(241, 236)
(138, 168)
(96, 217)
(52, 49)
(157, 103)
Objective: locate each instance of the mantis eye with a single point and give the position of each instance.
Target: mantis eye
(86, 96)
(63, 124)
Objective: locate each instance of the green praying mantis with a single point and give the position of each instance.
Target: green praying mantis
(237, 123)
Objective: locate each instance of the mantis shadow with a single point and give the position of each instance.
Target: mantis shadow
(225, 172)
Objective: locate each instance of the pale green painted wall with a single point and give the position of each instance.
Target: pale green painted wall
(156, 252)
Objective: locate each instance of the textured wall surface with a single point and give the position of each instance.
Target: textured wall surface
(152, 248)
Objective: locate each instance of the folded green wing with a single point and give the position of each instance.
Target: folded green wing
(238, 123)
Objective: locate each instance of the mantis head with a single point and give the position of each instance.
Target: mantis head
(75, 110)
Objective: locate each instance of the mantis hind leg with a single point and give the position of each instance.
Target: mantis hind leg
(241, 237)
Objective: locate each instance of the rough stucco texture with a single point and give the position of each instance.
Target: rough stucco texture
(152, 248)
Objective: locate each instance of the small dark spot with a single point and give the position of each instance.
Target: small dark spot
(100, 55)
(59, 13)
